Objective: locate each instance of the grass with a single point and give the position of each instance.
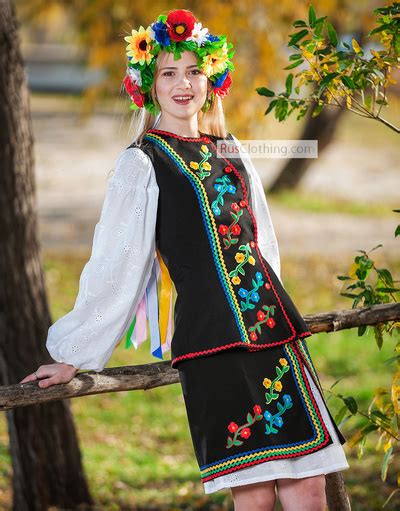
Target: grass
(136, 446)
(321, 203)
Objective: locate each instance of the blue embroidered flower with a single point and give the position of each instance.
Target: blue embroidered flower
(242, 292)
(255, 297)
(267, 415)
(259, 275)
(215, 209)
(278, 421)
(287, 398)
(231, 189)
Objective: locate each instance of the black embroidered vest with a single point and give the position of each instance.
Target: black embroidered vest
(228, 296)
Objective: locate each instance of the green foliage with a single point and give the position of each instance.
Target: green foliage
(343, 78)
(383, 414)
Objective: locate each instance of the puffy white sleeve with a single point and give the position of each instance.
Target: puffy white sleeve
(267, 240)
(116, 275)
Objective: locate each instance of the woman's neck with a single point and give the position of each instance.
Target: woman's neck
(183, 130)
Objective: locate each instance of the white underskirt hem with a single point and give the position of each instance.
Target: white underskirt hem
(331, 458)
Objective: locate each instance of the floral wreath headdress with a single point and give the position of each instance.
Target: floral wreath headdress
(175, 32)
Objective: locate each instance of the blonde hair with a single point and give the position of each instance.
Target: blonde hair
(211, 122)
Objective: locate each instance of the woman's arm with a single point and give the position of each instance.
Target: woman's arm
(116, 275)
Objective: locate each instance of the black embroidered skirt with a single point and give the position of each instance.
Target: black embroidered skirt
(246, 408)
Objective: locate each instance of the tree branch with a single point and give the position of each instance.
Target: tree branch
(148, 376)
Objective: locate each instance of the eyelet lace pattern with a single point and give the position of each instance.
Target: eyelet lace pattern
(115, 277)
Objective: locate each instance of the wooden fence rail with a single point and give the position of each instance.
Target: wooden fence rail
(156, 374)
(148, 376)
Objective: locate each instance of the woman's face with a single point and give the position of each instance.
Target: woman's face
(180, 78)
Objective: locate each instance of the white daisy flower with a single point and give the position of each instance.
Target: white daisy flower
(151, 32)
(135, 75)
(199, 34)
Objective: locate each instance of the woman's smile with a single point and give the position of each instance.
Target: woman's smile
(183, 99)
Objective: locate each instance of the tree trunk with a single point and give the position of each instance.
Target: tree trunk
(47, 468)
(336, 495)
(321, 128)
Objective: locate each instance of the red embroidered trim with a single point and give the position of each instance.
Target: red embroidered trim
(250, 347)
(203, 138)
(256, 462)
(243, 184)
(316, 407)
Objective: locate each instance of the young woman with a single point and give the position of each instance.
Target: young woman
(178, 209)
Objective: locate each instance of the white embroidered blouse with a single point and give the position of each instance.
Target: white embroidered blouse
(116, 275)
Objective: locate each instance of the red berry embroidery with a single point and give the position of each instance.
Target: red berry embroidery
(228, 169)
(244, 430)
(233, 427)
(245, 433)
(263, 316)
(257, 409)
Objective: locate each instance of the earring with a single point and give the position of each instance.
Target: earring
(207, 104)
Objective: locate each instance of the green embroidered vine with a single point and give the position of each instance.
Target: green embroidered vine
(242, 259)
(275, 384)
(203, 168)
(244, 430)
(263, 317)
(222, 185)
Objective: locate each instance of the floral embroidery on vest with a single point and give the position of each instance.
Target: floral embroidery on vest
(229, 221)
(263, 317)
(272, 420)
(252, 295)
(223, 186)
(242, 259)
(203, 167)
(234, 227)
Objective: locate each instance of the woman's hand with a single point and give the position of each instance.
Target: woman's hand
(50, 374)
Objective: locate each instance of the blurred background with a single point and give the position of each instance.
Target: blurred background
(136, 445)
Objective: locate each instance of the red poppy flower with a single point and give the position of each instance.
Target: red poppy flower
(134, 92)
(236, 229)
(223, 90)
(180, 24)
(257, 409)
(245, 433)
(270, 322)
(233, 427)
